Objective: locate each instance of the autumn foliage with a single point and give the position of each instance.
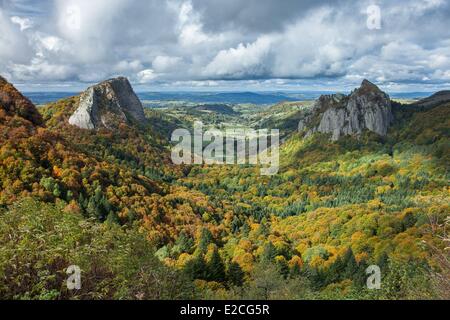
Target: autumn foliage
(219, 232)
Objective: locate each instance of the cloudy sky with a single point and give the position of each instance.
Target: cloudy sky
(226, 44)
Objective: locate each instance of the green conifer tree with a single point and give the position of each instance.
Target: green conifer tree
(216, 267)
(235, 274)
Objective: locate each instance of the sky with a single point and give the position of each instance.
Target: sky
(213, 45)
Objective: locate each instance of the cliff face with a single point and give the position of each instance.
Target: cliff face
(367, 108)
(107, 104)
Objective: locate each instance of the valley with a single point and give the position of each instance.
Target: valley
(352, 191)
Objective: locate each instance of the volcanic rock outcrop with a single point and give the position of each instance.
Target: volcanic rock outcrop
(366, 108)
(107, 104)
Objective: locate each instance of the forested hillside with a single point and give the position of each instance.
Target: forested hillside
(112, 202)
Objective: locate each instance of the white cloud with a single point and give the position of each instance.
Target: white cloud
(166, 63)
(245, 60)
(190, 27)
(312, 47)
(146, 76)
(200, 42)
(14, 44)
(127, 66)
(42, 71)
(24, 23)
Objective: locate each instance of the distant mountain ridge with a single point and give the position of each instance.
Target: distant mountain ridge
(262, 98)
(434, 100)
(219, 97)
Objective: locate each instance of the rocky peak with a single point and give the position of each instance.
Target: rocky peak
(366, 108)
(108, 104)
(367, 87)
(13, 103)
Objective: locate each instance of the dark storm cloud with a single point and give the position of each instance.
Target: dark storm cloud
(255, 15)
